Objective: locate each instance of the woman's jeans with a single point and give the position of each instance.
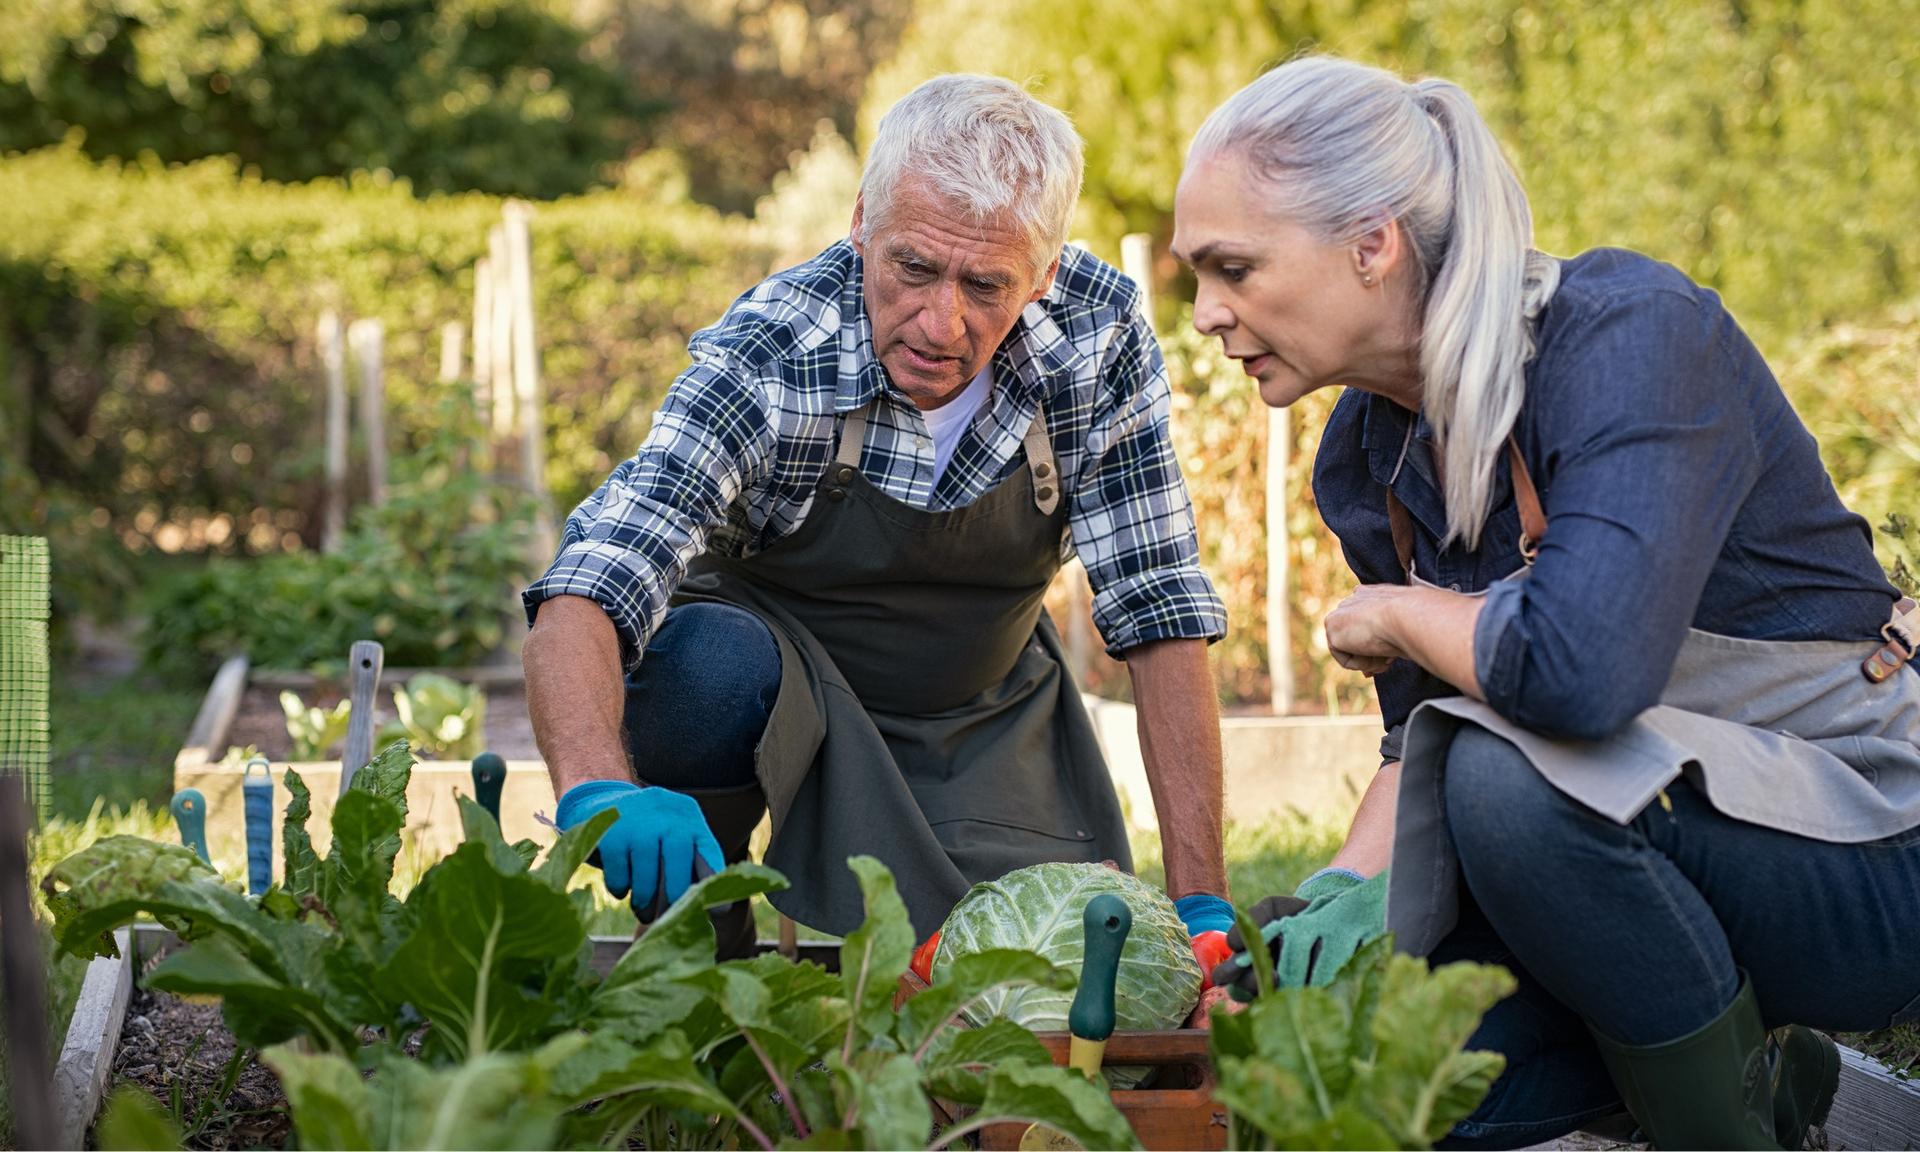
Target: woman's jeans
(1642, 930)
(698, 704)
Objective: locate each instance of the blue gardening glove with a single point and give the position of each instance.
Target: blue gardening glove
(1313, 933)
(657, 848)
(1203, 913)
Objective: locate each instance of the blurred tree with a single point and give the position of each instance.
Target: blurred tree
(1764, 146)
(748, 79)
(502, 96)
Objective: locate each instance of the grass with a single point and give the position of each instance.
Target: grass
(114, 737)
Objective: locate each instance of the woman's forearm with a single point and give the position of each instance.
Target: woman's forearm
(1369, 844)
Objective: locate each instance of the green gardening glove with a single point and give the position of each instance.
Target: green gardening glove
(1343, 912)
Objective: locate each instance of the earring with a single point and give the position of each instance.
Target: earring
(1366, 278)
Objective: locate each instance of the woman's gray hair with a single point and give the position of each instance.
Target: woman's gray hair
(1345, 148)
(987, 146)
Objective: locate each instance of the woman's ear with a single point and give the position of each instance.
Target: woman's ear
(1379, 254)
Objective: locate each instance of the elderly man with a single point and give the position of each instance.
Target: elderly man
(817, 587)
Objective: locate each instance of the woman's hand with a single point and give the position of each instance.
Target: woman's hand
(1432, 627)
(1362, 630)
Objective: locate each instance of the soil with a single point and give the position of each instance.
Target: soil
(261, 723)
(170, 1046)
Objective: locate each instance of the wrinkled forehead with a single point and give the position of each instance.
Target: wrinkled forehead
(952, 236)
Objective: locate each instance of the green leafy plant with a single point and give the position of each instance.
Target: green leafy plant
(524, 1044)
(1376, 1059)
(314, 730)
(443, 718)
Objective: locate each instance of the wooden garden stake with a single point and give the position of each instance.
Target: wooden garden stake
(501, 317)
(367, 338)
(526, 378)
(333, 359)
(452, 336)
(364, 662)
(29, 1075)
(1279, 595)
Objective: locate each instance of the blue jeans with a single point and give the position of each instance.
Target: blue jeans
(1642, 930)
(699, 702)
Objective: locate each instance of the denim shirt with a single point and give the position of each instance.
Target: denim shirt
(1680, 487)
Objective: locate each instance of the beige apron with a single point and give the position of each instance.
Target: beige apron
(1800, 736)
(924, 714)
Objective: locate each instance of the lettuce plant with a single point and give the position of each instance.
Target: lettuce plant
(1377, 1059)
(314, 730)
(522, 1043)
(440, 716)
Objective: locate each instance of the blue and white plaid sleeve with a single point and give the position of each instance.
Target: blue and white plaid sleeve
(1132, 519)
(627, 545)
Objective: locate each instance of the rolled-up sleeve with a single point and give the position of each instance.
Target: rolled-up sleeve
(1649, 457)
(628, 544)
(1132, 519)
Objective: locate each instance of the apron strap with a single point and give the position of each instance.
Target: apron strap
(1533, 517)
(1046, 478)
(1902, 635)
(853, 434)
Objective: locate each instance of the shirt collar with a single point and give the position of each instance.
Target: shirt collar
(1035, 354)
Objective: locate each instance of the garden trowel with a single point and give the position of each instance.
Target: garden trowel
(190, 816)
(1090, 1020)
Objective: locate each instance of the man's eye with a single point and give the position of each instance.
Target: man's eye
(987, 288)
(916, 271)
(1233, 273)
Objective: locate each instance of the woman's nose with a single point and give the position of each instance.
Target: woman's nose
(1211, 316)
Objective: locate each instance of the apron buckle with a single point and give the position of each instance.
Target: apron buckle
(1529, 549)
(1889, 657)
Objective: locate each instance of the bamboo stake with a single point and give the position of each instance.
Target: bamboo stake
(1279, 590)
(526, 377)
(502, 343)
(452, 335)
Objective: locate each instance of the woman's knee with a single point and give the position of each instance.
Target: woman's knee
(1503, 815)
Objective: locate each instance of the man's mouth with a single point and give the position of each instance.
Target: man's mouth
(925, 362)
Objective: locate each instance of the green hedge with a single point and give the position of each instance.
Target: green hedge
(157, 325)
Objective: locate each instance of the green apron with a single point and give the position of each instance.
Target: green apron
(925, 715)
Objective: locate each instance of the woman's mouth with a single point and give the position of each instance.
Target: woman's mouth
(1254, 365)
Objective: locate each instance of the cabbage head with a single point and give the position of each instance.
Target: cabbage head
(1039, 909)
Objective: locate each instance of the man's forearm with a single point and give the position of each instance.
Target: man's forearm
(576, 693)
(1180, 742)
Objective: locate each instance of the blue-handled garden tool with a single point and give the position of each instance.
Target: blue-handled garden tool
(190, 816)
(256, 790)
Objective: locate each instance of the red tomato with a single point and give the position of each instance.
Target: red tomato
(1210, 948)
(923, 958)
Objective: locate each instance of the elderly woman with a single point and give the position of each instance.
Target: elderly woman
(1651, 726)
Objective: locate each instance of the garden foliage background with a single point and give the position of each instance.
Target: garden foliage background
(187, 185)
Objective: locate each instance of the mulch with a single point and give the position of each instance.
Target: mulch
(179, 1053)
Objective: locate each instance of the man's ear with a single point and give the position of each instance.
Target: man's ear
(1046, 281)
(859, 213)
(1379, 253)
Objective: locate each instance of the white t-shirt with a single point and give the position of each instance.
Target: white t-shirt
(949, 422)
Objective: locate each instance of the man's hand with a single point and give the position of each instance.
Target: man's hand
(656, 849)
(1312, 933)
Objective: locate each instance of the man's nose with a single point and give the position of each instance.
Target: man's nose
(1211, 316)
(944, 319)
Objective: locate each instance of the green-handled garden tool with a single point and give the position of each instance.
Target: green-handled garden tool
(489, 774)
(1090, 1020)
(190, 814)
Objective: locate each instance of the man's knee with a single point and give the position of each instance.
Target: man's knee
(699, 702)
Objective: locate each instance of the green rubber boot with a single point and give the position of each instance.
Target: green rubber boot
(1806, 1074)
(1712, 1088)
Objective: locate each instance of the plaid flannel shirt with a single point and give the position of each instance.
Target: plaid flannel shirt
(744, 434)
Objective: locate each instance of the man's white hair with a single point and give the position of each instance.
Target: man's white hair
(984, 145)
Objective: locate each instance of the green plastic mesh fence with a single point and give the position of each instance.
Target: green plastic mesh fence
(25, 582)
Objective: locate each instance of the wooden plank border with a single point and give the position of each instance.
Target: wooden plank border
(206, 740)
(1874, 1108)
(93, 1036)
